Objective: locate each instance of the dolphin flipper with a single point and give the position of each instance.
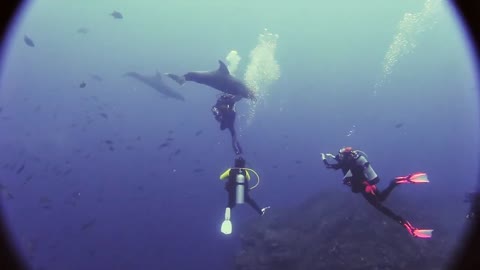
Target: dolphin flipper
(179, 79)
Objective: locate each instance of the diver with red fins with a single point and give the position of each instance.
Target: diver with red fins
(360, 176)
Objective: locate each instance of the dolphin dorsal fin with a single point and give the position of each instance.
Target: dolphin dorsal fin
(223, 68)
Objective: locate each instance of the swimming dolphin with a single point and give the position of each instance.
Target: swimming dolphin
(117, 15)
(220, 79)
(156, 82)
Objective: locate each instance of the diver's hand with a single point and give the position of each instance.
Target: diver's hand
(369, 188)
(324, 159)
(330, 155)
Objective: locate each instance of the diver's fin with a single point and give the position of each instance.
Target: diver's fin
(226, 227)
(415, 178)
(420, 233)
(227, 224)
(265, 210)
(423, 233)
(223, 68)
(179, 79)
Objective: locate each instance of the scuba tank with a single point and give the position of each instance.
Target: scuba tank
(361, 161)
(240, 188)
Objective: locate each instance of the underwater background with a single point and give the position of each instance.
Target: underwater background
(99, 171)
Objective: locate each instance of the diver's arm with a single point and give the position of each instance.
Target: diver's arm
(328, 165)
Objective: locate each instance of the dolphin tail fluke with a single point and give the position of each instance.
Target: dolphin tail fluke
(179, 79)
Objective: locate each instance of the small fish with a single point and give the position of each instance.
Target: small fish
(83, 84)
(198, 132)
(44, 200)
(129, 147)
(111, 148)
(399, 125)
(198, 170)
(28, 41)
(163, 145)
(298, 161)
(108, 142)
(21, 169)
(88, 224)
(275, 166)
(117, 15)
(76, 195)
(139, 138)
(177, 152)
(170, 131)
(82, 30)
(96, 77)
(67, 171)
(104, 115)
(170, 139)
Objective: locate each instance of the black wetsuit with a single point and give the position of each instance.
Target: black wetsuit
(230, 187)
(224, 112)
(357, 183)
(474, 199)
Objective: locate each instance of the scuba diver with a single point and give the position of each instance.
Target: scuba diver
(238, 191)
(360, 176)
(224, 112)
(474, 199)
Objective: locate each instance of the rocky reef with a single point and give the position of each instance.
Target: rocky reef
(342, 231)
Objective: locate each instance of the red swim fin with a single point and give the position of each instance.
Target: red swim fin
(420, 233)
(414, 178)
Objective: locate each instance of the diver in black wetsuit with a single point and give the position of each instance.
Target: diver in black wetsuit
(224, 112)
(360, 176)
(238, 189)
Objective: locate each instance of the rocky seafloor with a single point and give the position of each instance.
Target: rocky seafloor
(342, 231)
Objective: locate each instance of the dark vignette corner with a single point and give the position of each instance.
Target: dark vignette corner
(467, 257)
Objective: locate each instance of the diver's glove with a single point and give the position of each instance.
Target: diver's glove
(324, 159)
(369, 188)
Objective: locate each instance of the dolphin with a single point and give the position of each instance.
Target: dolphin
(220, 79)
(157, 83)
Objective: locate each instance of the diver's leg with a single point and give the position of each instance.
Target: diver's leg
(252, 203)
(236, 146)
(382, 196)
(374, 200)
(231, 197)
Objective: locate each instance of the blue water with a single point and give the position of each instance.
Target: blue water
(79, 205)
